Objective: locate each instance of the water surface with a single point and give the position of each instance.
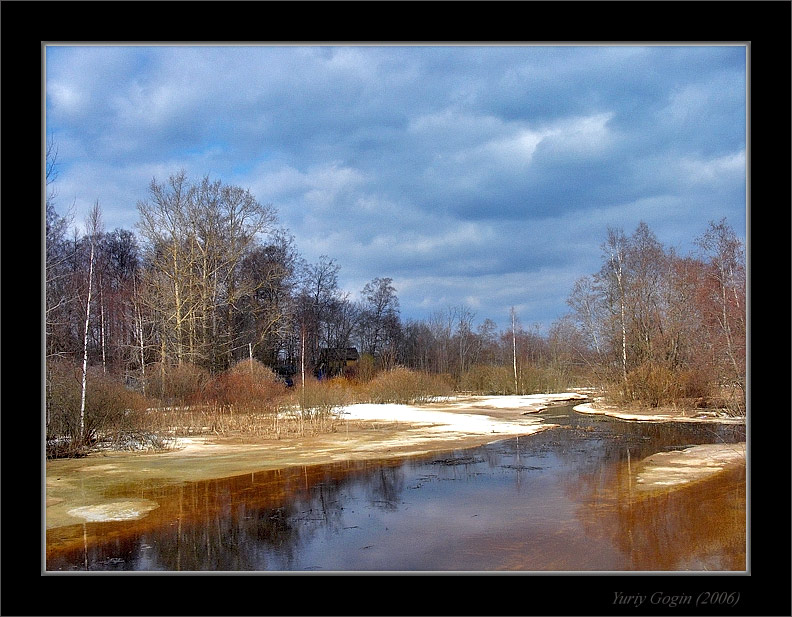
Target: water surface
(559, 500)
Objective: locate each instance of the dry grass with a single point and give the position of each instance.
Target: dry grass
(656, 386)
(401, 385)
(534, 379)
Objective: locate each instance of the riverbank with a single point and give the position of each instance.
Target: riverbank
(659, 414)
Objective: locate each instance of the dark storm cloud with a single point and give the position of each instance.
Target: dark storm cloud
(470, 174)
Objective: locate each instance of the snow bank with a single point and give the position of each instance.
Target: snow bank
(529, 402)
(443, 421)
(656, 417)
(679, 467)
(476, 423)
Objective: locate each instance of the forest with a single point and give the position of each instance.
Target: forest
(207, 318)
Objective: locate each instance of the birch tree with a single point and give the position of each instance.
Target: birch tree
(198, 236)
(613, 277)
(93, 225)
(162, 222)
(513, 315)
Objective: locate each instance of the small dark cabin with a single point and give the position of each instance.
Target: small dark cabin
(333, 360)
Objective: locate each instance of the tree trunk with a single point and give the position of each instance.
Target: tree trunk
(102, 315)
(514, 349)
(618, 271)
(139, 319)
(93, 223)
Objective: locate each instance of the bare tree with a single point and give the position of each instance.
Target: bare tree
(379, 316)
(467, 341)
(513, 314)
(163, 218)
(243, 220)
(50, 170)
(269, 278)
(647, 278)
(317, 295)
(726, 260)
(93, 226)
(441, 326)
(58, 255)
(198, 238)
(586, 303)
(613, 275)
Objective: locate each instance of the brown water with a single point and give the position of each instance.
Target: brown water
(560, 500)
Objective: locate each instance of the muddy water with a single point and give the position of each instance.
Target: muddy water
(560, 500)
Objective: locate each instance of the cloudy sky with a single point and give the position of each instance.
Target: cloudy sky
(483, 176)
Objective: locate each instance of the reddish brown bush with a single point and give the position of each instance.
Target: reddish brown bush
(248, 385)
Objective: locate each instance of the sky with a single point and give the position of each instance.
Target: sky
(483, 176)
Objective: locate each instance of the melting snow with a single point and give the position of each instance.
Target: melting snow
(688, 465)
(115, 511)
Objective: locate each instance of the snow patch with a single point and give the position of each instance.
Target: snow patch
(655, 417)
(115, 511)
(443, 421)
(688, 465)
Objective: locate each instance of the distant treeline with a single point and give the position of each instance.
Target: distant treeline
(209, 279)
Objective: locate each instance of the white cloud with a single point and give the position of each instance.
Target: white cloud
(728, 168)
(141, 107)
(450, 236)
(317, 188)
(578, 136)
(516, 148)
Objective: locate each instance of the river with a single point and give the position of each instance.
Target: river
(562, 500)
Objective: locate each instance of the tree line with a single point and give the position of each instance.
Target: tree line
(209, 279)
(660, 327)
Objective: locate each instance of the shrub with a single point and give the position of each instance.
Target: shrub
(488, 379)
(401, 385)
(248, 385)
(111, 409)
(653, 384)
(176, 384)
(63, 389)
(319, 402)
(695, 383)
(366, 368)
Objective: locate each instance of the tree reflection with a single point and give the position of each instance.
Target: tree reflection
(250, 522)
(384, 488)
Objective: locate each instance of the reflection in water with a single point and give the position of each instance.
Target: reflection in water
(560, 500)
